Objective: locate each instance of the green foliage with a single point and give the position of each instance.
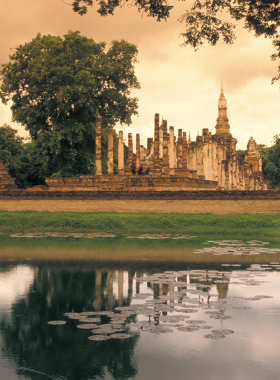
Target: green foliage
(204, 21)
(271, 161)
(159, 9)
(11, 149)
(58, 85)
(19, 158)
(140, 223)
(241, 153)
(205, 24)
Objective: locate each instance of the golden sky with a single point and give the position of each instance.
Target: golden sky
(181, 85)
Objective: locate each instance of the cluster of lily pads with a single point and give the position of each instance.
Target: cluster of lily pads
(91, 320)
(188, 292)
(237, 248)
(191, 295)
(161, 237)
(237, 242)
(63, 235)
(274, 265)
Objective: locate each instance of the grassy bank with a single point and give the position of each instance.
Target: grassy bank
(266, 224)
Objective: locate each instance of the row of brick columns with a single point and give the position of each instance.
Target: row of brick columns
(110, 157)
(168, 153)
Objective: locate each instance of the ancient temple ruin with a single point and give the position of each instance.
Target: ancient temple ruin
(6, 181)
(175, 162)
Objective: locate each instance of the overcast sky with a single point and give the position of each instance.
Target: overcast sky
(181, 85)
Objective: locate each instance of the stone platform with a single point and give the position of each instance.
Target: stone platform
(130, 183)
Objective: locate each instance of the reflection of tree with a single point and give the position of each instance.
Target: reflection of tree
(65, 351)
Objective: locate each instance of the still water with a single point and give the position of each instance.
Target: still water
(146, 307)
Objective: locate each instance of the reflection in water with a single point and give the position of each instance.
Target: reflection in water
(32, 344)
(165, 306)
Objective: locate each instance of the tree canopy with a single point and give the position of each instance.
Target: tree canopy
(271, 161)
(58, 85)
(204, 21)
(159, 9)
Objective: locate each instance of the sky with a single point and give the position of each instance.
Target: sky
(182, 85)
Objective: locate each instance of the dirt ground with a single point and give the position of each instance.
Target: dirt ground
(221, 207)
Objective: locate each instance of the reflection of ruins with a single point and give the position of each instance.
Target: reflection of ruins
(210, 279)
(115, 295)
(176, 162)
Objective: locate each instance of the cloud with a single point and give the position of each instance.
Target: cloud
(180, 84)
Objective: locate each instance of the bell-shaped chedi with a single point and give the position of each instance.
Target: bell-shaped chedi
(253, 155)
(222, 126)
(6, 181)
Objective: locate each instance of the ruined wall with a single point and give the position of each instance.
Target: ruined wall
(6, 181)
(129, 183)
(46, 193)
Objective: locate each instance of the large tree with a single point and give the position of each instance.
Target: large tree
(58, 85)
(204, 21)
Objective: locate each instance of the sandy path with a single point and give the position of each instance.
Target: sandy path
(144, 206)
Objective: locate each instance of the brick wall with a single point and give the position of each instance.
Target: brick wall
(149, 195)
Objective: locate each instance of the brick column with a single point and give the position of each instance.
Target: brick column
(156, 167)
(184, 151)
(137, 152)
(171, 151)
(130, 149)
(110, 158)
(120, 154)
(179, 149)
(98, 167)
(175, 153)
(165, 169)
(149, 144)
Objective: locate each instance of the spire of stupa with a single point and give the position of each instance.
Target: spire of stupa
(222, 126)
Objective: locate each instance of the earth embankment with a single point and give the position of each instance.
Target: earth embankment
(218, 207)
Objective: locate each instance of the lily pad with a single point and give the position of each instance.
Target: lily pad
(120, 336)
(214, 336)
(89, 320)
(57, 323)
(159, 330)
(195, 322)
(223, 331)
(98, 338)
(86, 326)
(189, 328)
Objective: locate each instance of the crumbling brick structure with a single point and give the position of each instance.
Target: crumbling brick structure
(6, 181)
(209, 163)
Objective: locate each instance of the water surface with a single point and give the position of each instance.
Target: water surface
(157, 289)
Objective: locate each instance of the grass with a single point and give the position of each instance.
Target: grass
(30, 221)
